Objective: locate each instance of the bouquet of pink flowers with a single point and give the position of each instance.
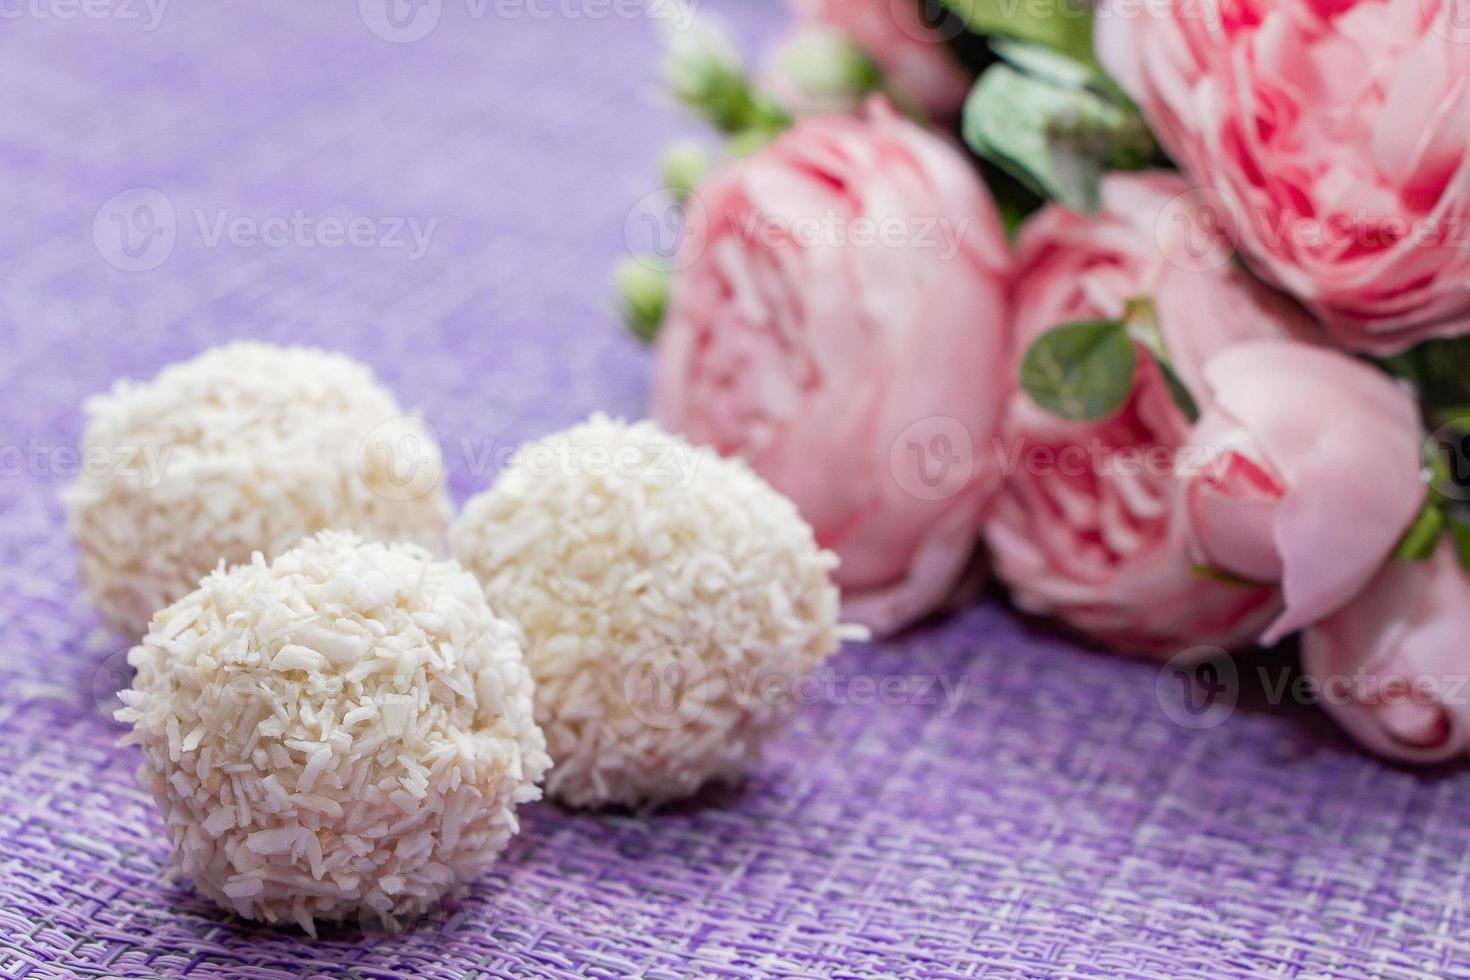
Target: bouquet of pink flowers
(1158, 311)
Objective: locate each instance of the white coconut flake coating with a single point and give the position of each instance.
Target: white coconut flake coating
(247, 447)
(670, 599)
(343, 733)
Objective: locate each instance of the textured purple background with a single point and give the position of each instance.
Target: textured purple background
(1057, 824)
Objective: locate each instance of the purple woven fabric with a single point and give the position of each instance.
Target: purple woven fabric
(1052, 822)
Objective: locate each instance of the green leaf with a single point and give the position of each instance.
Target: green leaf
(1141, 320)
(1064, 25)
(1051, 122)
(1440, 369)
(1419, 541)
(1080, 371)
(1047, 64)
(1005, 122)
(1460, 534)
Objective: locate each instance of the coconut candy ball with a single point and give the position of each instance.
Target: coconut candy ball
(670, 600)
(245, 448)
(344, 731)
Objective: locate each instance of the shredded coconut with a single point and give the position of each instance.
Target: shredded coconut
(247, 447)
(348, 752)
(660, 588)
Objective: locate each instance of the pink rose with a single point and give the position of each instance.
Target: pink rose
(1090, 527)
(915, 62)
(1333, 138)
(1309, 475)
(840, 321)
(1392, 666)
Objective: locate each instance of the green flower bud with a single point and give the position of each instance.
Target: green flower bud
(826, 68)
(681, 166)
(705, 72)
(641, 284)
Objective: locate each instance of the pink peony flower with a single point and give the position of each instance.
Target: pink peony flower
(1313, 473)
(840, 321)
(1332, 139)
(915, 62)
(1090, 527)
(1391, 666)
